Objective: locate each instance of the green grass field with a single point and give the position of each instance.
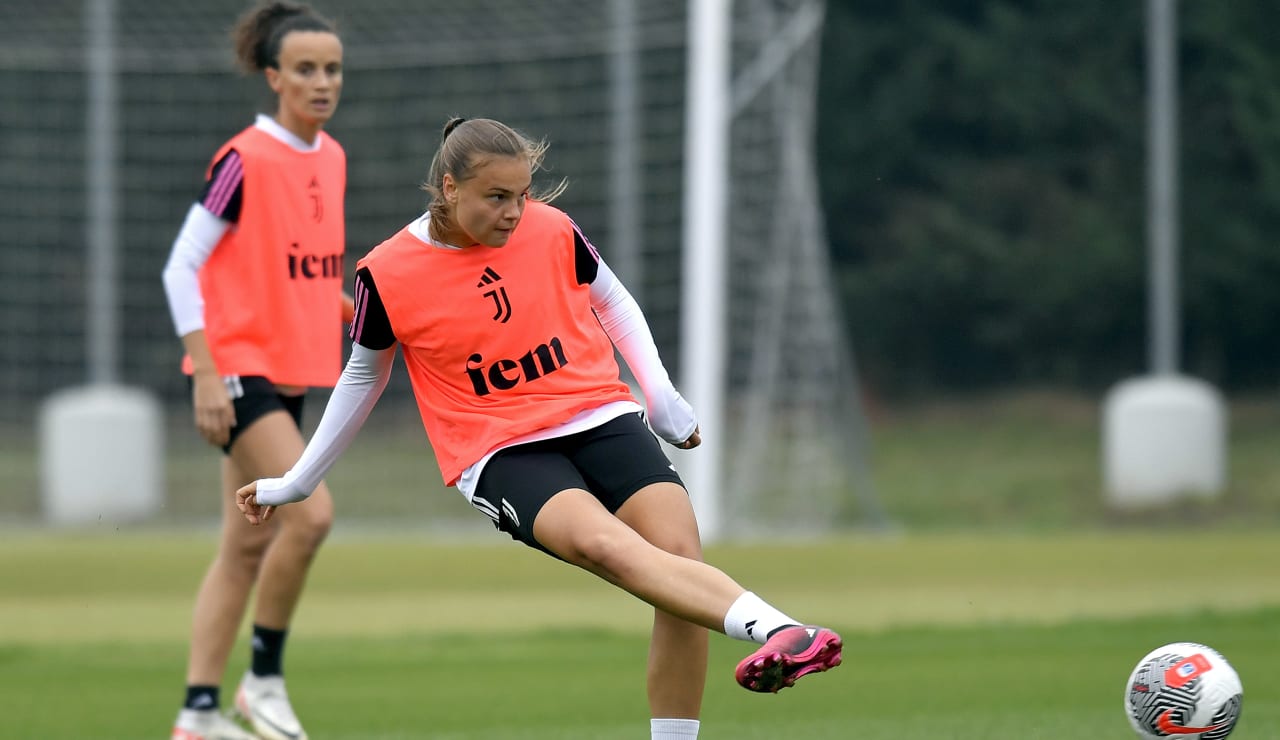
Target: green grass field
(948, 636)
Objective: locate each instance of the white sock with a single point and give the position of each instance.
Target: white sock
(750, 618)
(674, 729)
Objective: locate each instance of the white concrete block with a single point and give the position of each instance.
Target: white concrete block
(1164, 437)
(101, 455)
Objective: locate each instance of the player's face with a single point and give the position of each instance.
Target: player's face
(308, 82)
(487, 207)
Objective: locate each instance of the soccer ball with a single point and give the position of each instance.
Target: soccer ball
(1183, 690)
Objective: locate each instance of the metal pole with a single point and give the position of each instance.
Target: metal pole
(702, 300)
(625, 202)
(1162, 186)
(101, 123)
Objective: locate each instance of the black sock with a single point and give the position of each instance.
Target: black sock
(201, 698)
(268, 651)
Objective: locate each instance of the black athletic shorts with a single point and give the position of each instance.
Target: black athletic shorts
(253, 397)
(612, 461)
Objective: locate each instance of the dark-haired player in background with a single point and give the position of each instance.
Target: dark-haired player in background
(254, 283)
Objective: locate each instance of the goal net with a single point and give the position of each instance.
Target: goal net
(602, 80)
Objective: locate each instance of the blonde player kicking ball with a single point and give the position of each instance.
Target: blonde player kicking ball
(254, 283)
(508, 319)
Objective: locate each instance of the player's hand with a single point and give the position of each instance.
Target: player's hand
(694, 440)
(672, 419)
(213, 411)
(247, 500)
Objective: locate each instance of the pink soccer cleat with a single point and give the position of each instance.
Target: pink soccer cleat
(790, 653)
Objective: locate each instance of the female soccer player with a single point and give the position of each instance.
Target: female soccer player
(254, 283)
(508, 319)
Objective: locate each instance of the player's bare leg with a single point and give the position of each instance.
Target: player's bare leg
(224, 593)
(576, 527)
(267, 449)
(662, 514)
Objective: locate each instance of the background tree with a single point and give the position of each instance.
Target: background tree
(984, 172)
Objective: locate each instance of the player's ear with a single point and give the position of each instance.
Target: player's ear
(273, 79)
(450, 189)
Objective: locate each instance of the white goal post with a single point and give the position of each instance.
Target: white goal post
(786, 444)
(706, 178)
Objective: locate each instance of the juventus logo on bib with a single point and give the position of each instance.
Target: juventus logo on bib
(498, 294)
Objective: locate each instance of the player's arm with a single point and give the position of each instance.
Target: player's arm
(669, 414)
(217, 208)
(361, 385)
(212, 407)
(200, 233)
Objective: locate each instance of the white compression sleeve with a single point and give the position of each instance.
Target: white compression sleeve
(358, 390)
(200, 233)
(669, 414)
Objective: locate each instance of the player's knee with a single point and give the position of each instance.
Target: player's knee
(309, 524)
(244, 554)
(603, 553)
(311, 529)
(685, 547)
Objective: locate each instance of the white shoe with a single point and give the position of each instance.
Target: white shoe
(207, 724)
(262, 701)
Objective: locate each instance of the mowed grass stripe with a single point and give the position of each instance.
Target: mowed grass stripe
(1006, 682)
(138, 586)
